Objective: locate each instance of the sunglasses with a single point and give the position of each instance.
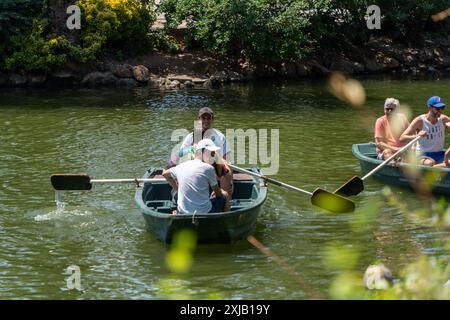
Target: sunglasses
(389, 109)
(441, 108)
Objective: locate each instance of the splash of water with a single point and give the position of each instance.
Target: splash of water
(60, 205)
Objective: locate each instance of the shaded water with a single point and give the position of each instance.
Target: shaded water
(119, 133)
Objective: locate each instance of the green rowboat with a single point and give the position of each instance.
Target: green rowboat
(155, 202)
(438, 178)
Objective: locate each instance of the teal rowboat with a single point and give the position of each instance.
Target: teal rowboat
(395, 175)
(155, 202)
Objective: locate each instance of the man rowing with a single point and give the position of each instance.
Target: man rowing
(193, 180)
(223, 156)
(431, 127)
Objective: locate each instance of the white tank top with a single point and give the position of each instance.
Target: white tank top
(434, 142)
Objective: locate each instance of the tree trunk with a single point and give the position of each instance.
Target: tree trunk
(57, 12)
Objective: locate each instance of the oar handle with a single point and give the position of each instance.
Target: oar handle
(381, 165)
(275, 182)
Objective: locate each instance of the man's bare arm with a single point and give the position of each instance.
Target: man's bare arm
(410, 132)
(173, 183)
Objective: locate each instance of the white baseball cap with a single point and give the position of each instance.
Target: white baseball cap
(207, 144)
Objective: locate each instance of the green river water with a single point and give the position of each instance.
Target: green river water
(119, 133)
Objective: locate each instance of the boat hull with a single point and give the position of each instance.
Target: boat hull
(397, 175)
(227, 227)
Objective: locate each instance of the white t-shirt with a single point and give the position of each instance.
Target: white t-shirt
(194, 178)
(215, 135)
(434, 142)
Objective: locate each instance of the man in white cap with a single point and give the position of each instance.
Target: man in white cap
(192, 180)
(388, 129)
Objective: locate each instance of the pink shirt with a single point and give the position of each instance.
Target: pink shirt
(383, 130)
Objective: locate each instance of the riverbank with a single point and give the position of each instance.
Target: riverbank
(190, 69)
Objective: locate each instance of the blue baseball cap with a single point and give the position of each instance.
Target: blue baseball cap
(435, 102)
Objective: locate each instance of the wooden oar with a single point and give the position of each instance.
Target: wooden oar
(320, 198)
(356, 184)
(81, 181)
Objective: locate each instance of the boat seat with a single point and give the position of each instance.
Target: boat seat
(158, 176)
(242, 177)
(164, 206)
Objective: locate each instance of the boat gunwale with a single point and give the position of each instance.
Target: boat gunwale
(361, 156)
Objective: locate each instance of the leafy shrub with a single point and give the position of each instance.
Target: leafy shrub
(123, 24)
(34, 51)
(17, 15)
(261, 30)
(106, 25)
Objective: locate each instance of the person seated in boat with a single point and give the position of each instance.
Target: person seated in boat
(192, 180)
(204, 129)
(388, 129)
(431, 127)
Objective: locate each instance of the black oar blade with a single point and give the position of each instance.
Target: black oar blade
(71, 181)
(331, 202)
(352, 187)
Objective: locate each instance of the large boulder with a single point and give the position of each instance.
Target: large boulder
(123, 71)
(317, 68)
(141, 73)
(343, 65)
(390, 63)
(372, 65)
(181, 78)
(99, 79)
(302, 69)
(289, 70)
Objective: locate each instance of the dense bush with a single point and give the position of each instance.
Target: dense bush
(16, 16)
(266, 30)
(35, 51)
(106, 25)
(274, 30)
(409, 19)
(262, 31)
(120, 24)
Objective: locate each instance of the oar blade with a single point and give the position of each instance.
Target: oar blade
(331, 202)
(71, 181)
(352, 187)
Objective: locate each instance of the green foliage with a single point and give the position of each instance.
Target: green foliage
(106, 25)
(17, 16)
(161, 39)
(423, 278)
(408, 20)
(123, 24)
(279, 30)
(261, 30)
(34, 51)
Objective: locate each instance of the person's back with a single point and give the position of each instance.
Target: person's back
(194, 179)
